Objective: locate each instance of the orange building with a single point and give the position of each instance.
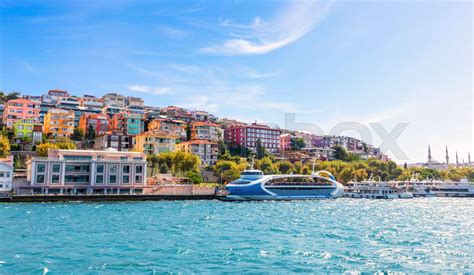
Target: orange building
(17, 109)
(205, 130)
(99, 122)
(171, 126)
(59, 123)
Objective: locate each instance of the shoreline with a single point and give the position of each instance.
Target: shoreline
(104, 198)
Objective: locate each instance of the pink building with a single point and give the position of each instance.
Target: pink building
(248, 135)
(285, 142)
(17, 109)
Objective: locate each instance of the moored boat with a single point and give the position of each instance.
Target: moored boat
(254, 185)
(376, 190)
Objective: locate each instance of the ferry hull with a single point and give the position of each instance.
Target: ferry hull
(257, 192)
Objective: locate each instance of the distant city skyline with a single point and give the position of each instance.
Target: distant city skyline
(327, 62)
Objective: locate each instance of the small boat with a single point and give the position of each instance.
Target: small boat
(254, 185)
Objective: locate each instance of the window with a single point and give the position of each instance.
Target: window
(113, 179)
(100, 168)
(126, 179)
(113, 169)
(41, 168)
(40, 179)
(56, 168)
(55, 179)
(138, 179)
(99, 179)
(126, 169)
(8, 174)
(76, 179)
(1, 174)
(77, 168)
(139, 169)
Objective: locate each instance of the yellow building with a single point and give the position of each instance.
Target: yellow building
(59, 123)
(154, 142)
(206, 150)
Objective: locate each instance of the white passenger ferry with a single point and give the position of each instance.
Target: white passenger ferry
(376, 190)
(254, 185)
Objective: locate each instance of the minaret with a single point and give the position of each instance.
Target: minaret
(457, 159)
(447, 158)
(429, 157)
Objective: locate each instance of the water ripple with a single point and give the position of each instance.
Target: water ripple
(343, 236)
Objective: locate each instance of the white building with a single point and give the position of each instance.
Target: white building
(86, 172)
(6, 175)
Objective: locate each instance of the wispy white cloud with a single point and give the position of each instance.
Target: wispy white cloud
(261, 37)
(172, 32)
(243, 97)
(148, 89)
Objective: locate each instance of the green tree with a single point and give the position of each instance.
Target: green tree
(297, 167)
(266, 166)
(24, 141)
(43, 148)
(188, 131)
(194, 177)
(298, 144)
(90, 133)
(340, 152)
(12, 95)
(152, 161)
(164, 169)
(260, 150)
(66, 145)
(77, 134)
(4, 147)
(284, 167)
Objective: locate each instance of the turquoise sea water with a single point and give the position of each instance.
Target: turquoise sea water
(419, 235)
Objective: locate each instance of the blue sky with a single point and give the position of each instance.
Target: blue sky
(327, 62)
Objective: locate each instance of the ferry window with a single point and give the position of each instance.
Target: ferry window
(113, 179)
(240, 181)
(56, 168)
(138, 179)
(126, 179)
(100, 168)
(40, 178)
(99, 179)
(40, 167)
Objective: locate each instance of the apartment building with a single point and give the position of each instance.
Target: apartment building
(155, 142)
(205, 130)
(59, 123)
(17, 109)
(168, 125)
(28, 128)
(99, 122)
(130, 123)
(135, 105)
(206, 150)
(115, 139)
(247, 135)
